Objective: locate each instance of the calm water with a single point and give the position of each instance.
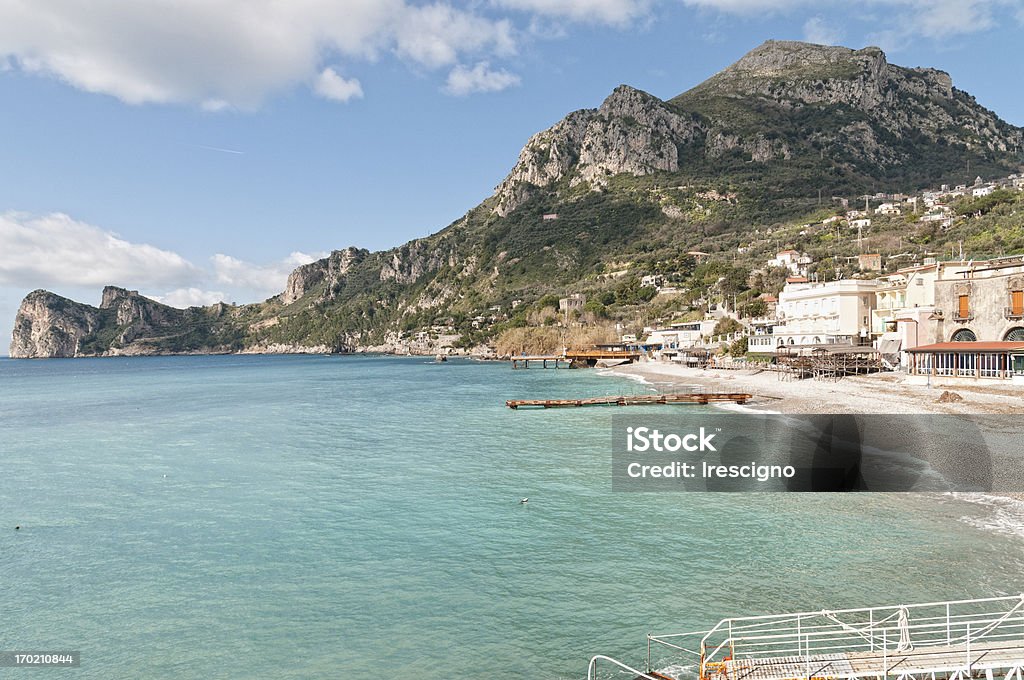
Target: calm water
(315, 517)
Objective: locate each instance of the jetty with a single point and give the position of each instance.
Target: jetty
(702, 398)
(523, 360)
(979, 639)
(575, 358)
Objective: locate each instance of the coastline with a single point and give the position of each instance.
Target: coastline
(875, 393)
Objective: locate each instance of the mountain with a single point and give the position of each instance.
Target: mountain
(638, 179)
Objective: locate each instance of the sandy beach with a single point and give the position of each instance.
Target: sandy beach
(878, 393)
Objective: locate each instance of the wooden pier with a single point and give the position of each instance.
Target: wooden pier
(543, 359)
(633, 400)
(574, 358)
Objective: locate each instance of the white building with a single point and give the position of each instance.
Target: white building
(889, 209)
(788, 259)
(978, 192)
(762, 336)
(681, 335)
(652, 280)
(835, 312)
(862, 223)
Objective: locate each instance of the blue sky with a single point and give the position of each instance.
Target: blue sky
(200, 149)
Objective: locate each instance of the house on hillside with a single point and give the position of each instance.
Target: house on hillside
(652, 280)
(871, 262)
(792, 260)
(572, 303)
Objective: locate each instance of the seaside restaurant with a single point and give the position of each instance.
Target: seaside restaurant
(977, 360)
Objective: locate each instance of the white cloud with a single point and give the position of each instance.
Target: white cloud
(942, 18)
(190, 297)
(481, 78)
(263, 279)
(434, 35)
(330, 85)
(231, 53)
(601, 11)
(746, 6)
(906, 19)
(817, 30)
(56, 250)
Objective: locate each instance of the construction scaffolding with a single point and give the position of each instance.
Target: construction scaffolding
(830, 363)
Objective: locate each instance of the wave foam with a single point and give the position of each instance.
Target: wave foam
(1006, 516)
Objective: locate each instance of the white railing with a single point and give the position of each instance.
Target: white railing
(883, 631)
(592, 668)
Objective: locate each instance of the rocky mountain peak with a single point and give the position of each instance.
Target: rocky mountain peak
(114, 295)
(626, 100)
(328, 272)
(786, 58)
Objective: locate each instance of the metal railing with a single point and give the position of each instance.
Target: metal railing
(592, 668)
(879, 631)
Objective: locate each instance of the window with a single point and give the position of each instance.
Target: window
(992, 365)
(964, 335)
(1017, 303)
(963, 307)
(1015, 335)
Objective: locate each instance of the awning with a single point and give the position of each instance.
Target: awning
(891, 346)
(970, 347)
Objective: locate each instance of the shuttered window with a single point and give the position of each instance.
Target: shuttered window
(964, 309)
(1017, 302)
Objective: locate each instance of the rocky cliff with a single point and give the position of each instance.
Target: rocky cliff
(631, 132)
(49, 325)
(781, 101)
(125, 323)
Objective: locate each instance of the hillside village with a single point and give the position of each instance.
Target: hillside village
(942, 316)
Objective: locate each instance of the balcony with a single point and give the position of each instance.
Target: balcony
(1014, 313)
(962, 317)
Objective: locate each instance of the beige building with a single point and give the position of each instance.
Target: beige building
(835, 312)
(871, 262)
(984, 302)
(904, 316)
(573, 302)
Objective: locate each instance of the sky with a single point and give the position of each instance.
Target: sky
(199, 150)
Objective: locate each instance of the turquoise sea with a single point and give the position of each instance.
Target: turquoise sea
(347, 517)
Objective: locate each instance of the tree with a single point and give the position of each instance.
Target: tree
(738, 348)
(727, 325)
(754, 309)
